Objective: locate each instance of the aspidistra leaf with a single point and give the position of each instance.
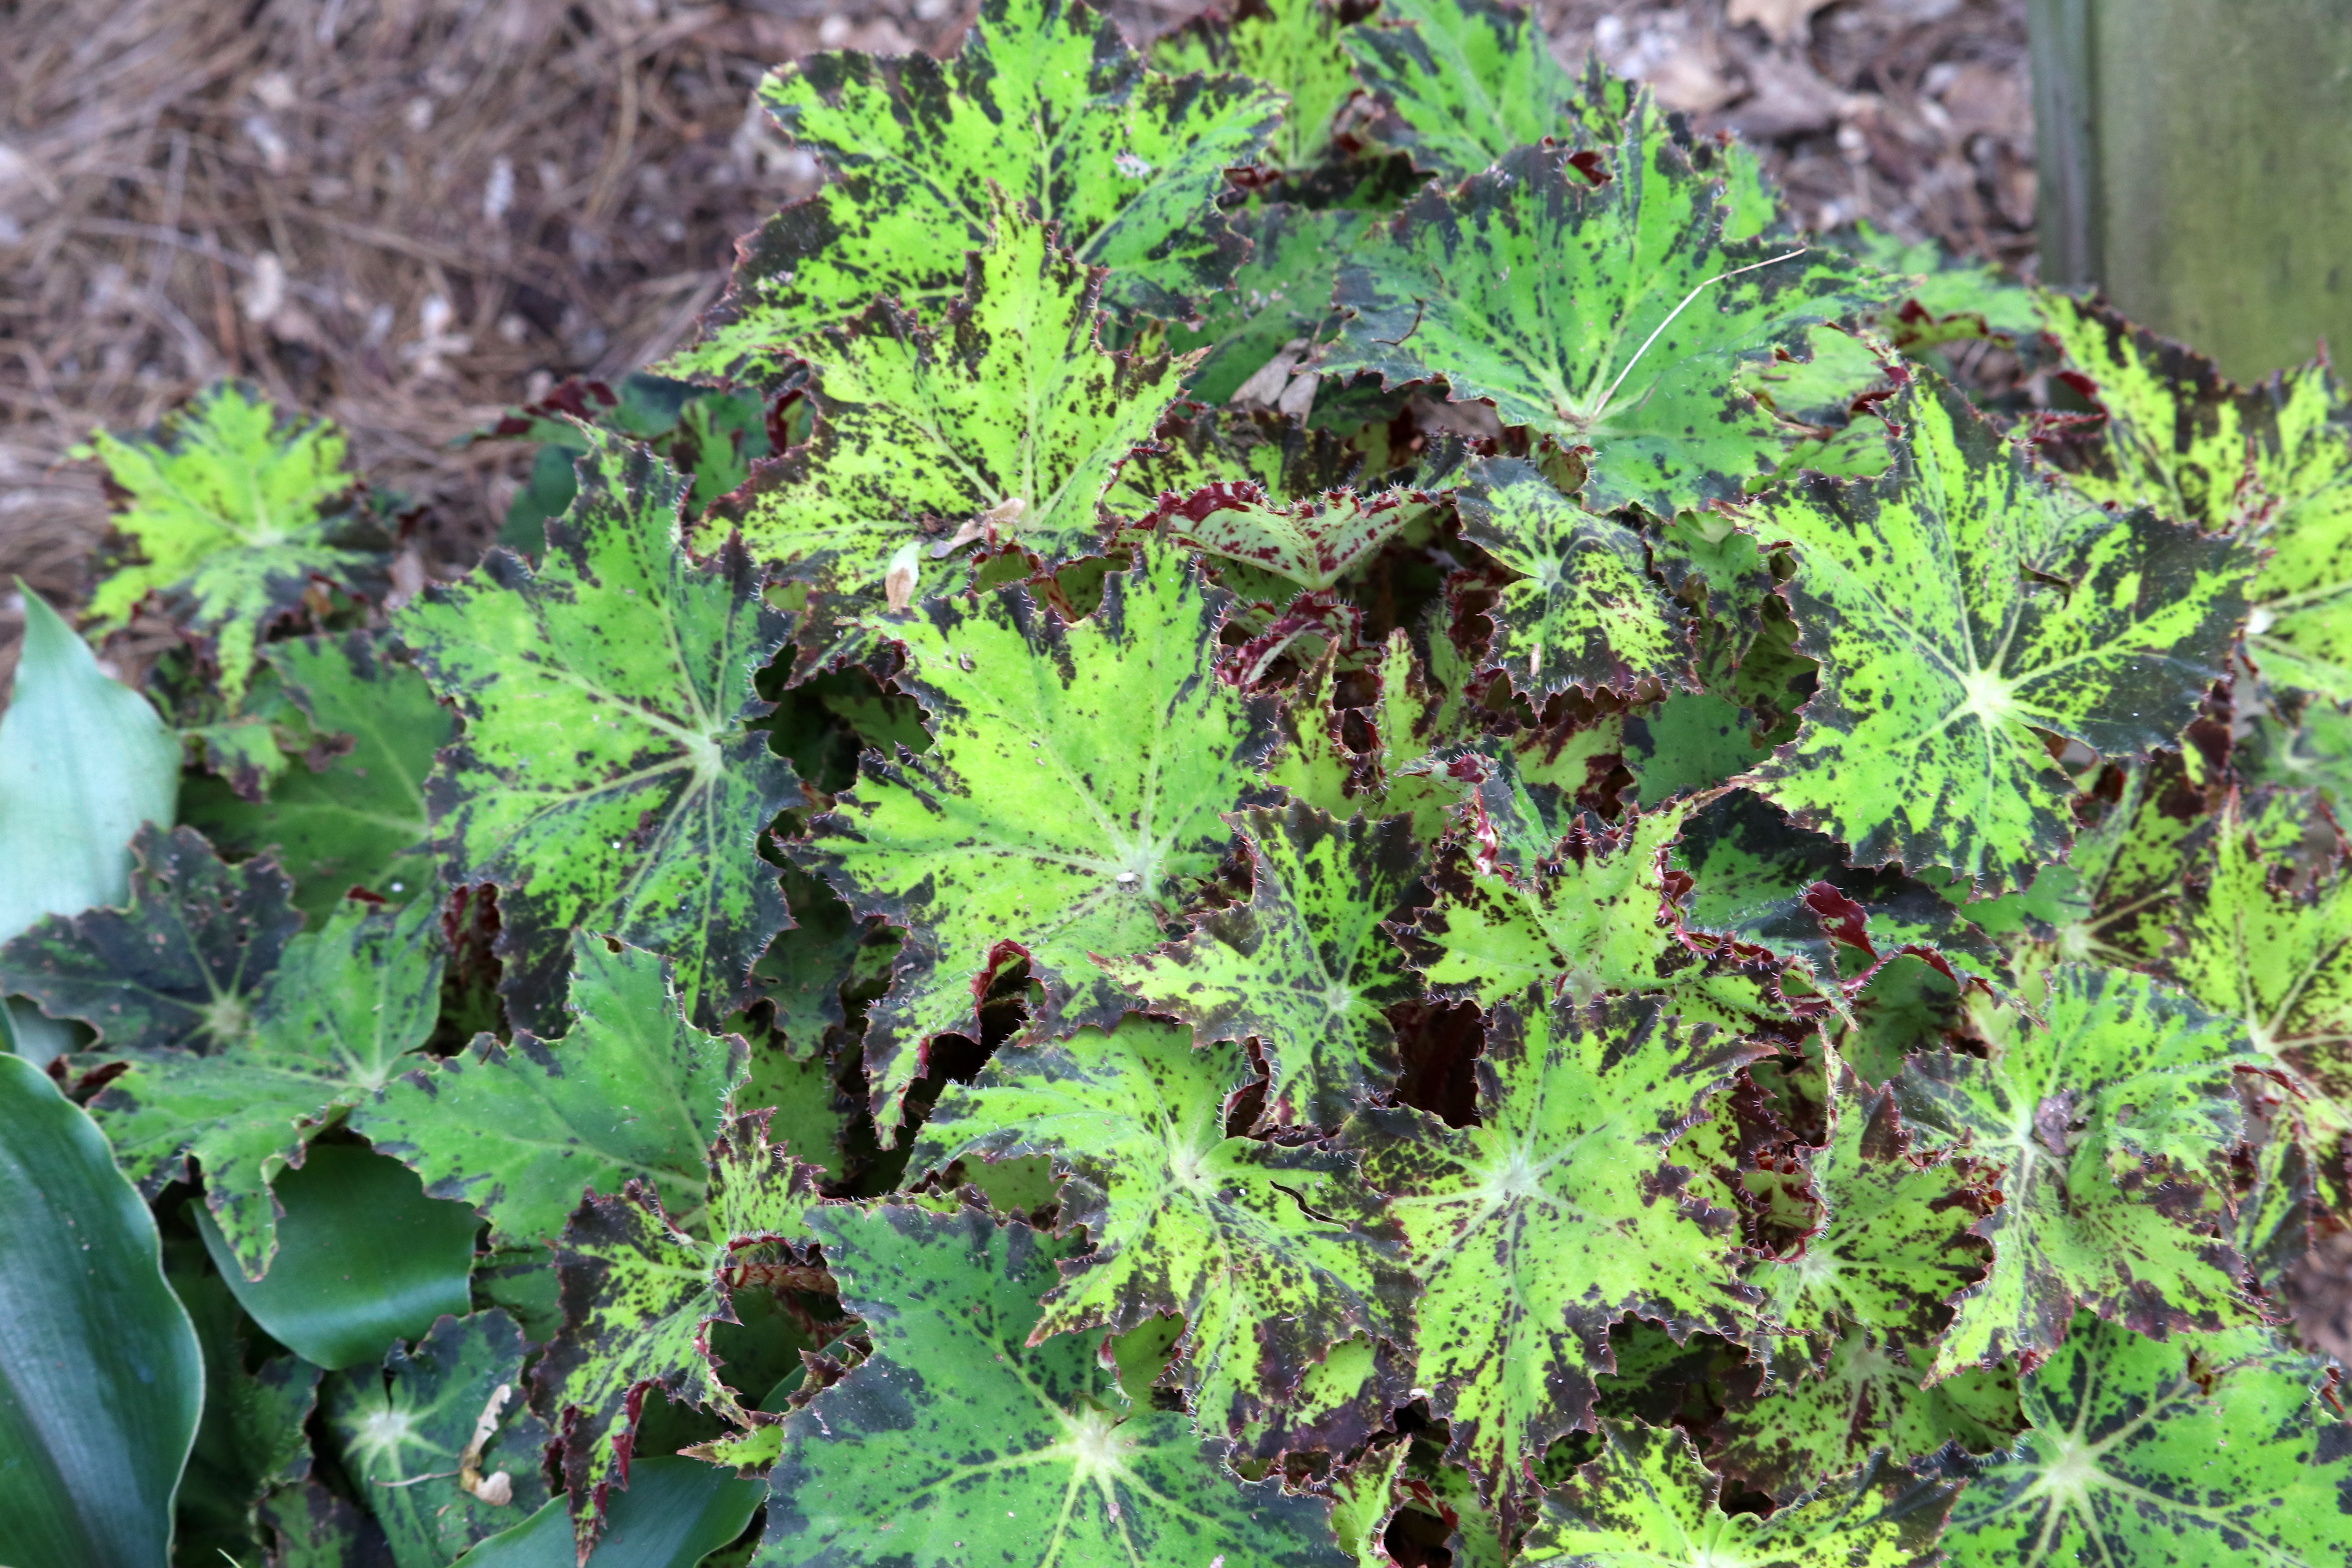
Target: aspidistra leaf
(1962, 607)
(1046, 101)
(1073, 798)
(1303, 966)
(1559, 1211)
(606, 779)
(1272, 1254)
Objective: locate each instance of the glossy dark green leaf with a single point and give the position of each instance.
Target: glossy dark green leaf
(676, 1513)
(102, 1377)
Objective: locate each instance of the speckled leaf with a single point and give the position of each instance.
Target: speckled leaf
(639, 1297)
(1071, 801)
(357, 819)
(1314, 540)
(2215, 1451)
(1866, 1399)
(1278, 305)
(1758, 878)
(2269, 949)
(606, 780)
(1962, 607)
(924, 431)
(1272, 1254)
(233, 513)
(1284, 457)
(1292, 45)
(405, 1432)
(1647, 1500)
(1582, 610)
(331, 1024)
(1594, 917)
(1472, 80)
(1304, 965)
(1612, 317)
(1556, 1213)
(1046, 103)
(2277, 458)
(1893, 1242)
(2111, 1127)
(1951, 296)
(963, 1440)
(519, 1129)
(182, 966)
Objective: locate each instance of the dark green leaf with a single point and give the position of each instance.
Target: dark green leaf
(674, 1514)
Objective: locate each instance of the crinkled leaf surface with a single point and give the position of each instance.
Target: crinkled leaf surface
(1303, 966)
(606, 780)
(1009, 400)
(404, 1431)
(1961, 606)
(358, 819)
(234, 510)
(2111, 1127)
(1313, 541)
(2210, 1450)
(1866, 1397)
(1559, 1212)
(1471, 80)
(183, 965)
(1046, 103)
(1647, 1500)
(330, 1025)
(1612, 317)
(639, 1299)
(1583, 610)
(2180, 438)
(1283, 456)
(1271, 1253)
(963, 1440)
(1073, 798)
(519, 1129)
(1292, 45)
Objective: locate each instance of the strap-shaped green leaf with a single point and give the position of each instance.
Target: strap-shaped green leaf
(1303, 966)
(963, 1439)
(518, 1129)
(1071, 799)
(1556, 1213)
(2215, 1449)
(1582, 609)
(234, 512)
(2112, 1123)
(1046, 103)
(1963, 607)
(1272, 1254)
(1613, 316)
(606, 780)
(430, 1431)
(1292, 45)
(357, 819)
(331, 1025)
(1007, 411)
(1647, 1500)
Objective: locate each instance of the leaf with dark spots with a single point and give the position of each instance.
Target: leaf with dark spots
(519, 1129)
(608, 779)
(1262, 334)
(1313, 541)
(1073, 797)
(441, 1438)
(2224, 1449)
(1472, 80)
(182, 966)
(1005, 421)
(1581, 610)
(1648, 1499)
(2131, 1220)
(1562, 1210)
(1044, 103)
(640, 1297)
(963, 1439)
(1272, 1254)
(1614, 318)
(1303, 966)
(1292, 45)
(1947, 654)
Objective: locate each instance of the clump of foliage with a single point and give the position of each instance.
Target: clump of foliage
(1298, 805)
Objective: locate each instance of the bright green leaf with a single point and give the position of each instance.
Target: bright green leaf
(1292, 45)
(1473, 79)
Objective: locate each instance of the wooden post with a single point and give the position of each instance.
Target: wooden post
(2195, 163)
